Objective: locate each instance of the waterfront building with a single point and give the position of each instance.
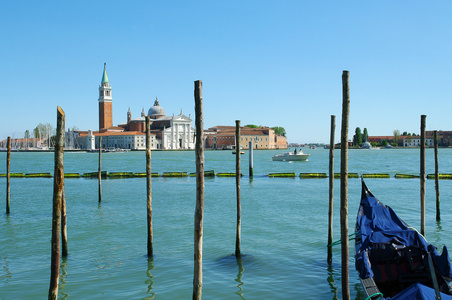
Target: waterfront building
(405, 140)
(132, 140)
(444, 137)
(223, 137)
(415, 141)
(173, 132)
(24, 143)
(167, 132)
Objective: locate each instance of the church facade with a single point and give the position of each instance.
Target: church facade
(167, 132)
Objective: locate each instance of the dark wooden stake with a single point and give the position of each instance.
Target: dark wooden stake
(58, 187)
(100, 169)
(422, 174)
(237, 183)
(199, 211)
(438, 209)
(331, 191)
(64, 249)
(344, 185)
(251, 159)
(148, 186)
(8, 175)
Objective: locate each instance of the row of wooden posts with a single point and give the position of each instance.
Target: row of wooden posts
(344, 184)
(59, 206)
(59, 224)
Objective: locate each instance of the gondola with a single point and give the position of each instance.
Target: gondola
(394, 261)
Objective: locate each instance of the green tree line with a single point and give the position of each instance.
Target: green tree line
(278, 130)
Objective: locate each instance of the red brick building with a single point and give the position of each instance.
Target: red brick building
(223, 137)
(444, 137)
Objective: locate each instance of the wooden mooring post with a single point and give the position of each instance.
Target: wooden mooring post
(100, 170)
(8, 175)
(64, 248)
(331, 191)
(251, 159)
(149, 187)
(58, 189)
(435, 143)
(199, 211)
(344, 185)
(422, 174)
(237, 183)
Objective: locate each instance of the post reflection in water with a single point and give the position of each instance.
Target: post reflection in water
(239, 277)
(150, 280)
(7, 275)
(439, 229)
(63, 275)
(331, 281)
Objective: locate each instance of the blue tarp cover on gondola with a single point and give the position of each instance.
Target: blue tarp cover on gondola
(419, 292)
(381, 227)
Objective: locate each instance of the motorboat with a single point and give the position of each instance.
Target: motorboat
(296, 155)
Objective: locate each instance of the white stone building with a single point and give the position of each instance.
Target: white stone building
(167, 132)
(415, 141)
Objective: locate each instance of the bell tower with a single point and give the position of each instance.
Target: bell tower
(105, 102)
(129, 116)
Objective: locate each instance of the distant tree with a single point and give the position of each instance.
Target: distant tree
(405, 133)
(365, 135)
(39, 130)
(396, 135)
(384, 143)
(252, 126)
(279, 130)
(26, 137)
(413, 134)
(45, 131)
(358, 137)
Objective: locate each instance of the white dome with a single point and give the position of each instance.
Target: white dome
(156, 111)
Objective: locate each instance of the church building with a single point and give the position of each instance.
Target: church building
(167, 132)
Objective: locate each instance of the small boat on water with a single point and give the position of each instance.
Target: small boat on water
(393, 259)
(291, 156)
(241, 152)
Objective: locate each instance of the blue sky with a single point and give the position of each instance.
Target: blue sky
(274, 63)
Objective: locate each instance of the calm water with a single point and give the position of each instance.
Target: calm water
(284, 225)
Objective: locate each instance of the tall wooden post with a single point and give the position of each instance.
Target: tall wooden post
(199, 211)
(58, 187)
(331, 191)
(251, 159)
(438, 209)
(237, 183)
(64, 248)
(100, 169)
(148, 186)
(422, 174)
(8, 179)
(344, 185)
